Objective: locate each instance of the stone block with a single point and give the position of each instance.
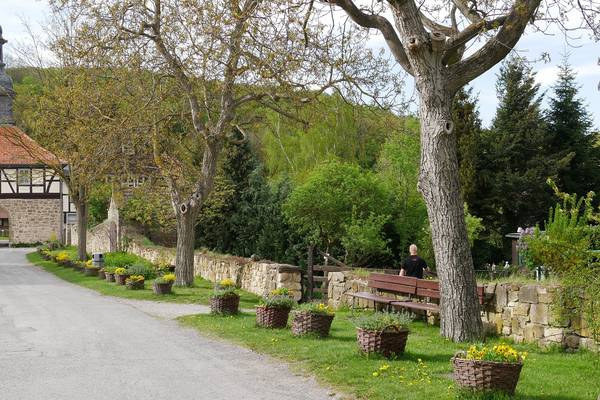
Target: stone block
(522, 309)
(490, 288)
(500, 297)
(533, 332)
(589, 344)
(528, 294)
(513, 296)
(554, 334)
(538, 314)
(544, 296)
(517, 338)
(506, 331)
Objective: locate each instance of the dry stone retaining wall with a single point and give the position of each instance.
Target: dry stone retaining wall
(33, 220)
(522, 312)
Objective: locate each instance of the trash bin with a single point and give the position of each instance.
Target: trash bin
(98, 260)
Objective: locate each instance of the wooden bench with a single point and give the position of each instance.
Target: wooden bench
(413, 288)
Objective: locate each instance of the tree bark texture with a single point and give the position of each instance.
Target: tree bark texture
(184, 256)
(82, 223)
(460, 318)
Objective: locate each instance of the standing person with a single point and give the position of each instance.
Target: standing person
(413, 265)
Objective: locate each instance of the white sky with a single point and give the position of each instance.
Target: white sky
(583, 58)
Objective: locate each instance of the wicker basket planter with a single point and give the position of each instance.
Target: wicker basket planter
(101, 274)
(486, 375)
(78, 267)
(389, 343)
(120, 279)
(225, 304)
(304, 322)
(162, 288)
(91, 271)
(134, 285)
(272, 317)
(109, 276)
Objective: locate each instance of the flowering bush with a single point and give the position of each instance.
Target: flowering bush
(135, 278)
(109, 270)
(89, 264)
(167, 278)
(225, 288)
(121, 271)
(315, 308)
(62, 257)
(278, 298)
(499, 353)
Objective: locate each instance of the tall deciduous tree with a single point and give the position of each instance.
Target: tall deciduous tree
(219, 56)
(428, 40)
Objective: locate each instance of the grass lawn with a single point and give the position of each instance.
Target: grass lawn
(423, 372)
(199, 294)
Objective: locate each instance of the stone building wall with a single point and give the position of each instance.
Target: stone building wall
(33, 220)
(521, 312)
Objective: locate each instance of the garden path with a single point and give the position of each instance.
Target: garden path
(61, 341)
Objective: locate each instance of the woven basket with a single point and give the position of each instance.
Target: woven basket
(272, 317)
(387, 342)
(109, 276)
(120, 279)
(93, 271)
(162, 288)
(101, 274)
(306, 322)
(134, 285)
(486, 375)
(78, 267)
(225, 305)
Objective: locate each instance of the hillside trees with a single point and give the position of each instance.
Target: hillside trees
(218, 57)
(429, 40)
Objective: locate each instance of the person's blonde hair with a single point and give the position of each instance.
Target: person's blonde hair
(413, 248)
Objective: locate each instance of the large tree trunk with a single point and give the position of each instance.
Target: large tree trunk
(460, 316)
(82, 224)
(184, 256)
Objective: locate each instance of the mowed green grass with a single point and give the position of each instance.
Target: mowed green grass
(423, 372)
(198, 294)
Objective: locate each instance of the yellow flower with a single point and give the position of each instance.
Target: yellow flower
(375, 373)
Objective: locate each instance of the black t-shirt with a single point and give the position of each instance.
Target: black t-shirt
(414, 265)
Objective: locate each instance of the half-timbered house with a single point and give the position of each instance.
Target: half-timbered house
(33, 200)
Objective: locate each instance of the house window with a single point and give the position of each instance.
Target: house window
(24, 177)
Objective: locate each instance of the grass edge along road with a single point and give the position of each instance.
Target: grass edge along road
(423, 372)
(198, 294)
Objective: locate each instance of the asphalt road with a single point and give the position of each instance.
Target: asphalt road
(60, 341)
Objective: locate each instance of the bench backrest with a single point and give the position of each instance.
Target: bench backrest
(412, 286)
(393, 283)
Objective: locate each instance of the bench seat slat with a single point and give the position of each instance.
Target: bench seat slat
(392, 287)
(434, 294)
(417, 306)
(372, 297)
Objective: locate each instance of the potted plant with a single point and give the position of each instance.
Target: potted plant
(121, 275)
(101, 273)
(382, 332)
(163, 284)
(224, 299)
(494, 368)
(274, 309)
(62, 258)
(90, 269)
(312, 318)
(109, 273)
(135, 282)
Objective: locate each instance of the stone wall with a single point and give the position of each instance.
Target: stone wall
(521, 312)
(259, 277)
(33, 220)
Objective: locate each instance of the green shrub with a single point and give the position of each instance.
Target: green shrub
(146, 271)
(382, 320)
(121, 260)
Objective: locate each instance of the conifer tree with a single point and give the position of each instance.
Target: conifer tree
(517, 157)
(569, 124)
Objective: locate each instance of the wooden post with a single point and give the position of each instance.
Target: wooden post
(309, 273)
